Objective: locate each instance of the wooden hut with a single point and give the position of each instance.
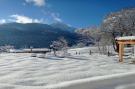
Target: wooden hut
(121, 42)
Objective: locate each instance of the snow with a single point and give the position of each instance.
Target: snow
(115, 81)
(21, 71)
(126, 38)
(41, 55)
(33, 55)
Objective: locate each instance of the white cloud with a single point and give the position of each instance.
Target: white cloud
(2, 21)
(36, 2)
(56, 17)
(24, 19)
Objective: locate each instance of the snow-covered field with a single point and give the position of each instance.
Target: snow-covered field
(21, 71)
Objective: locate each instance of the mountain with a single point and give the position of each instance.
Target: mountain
(34, 34)
(63, 26)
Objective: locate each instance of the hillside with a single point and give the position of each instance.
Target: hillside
(63, 26)
(33, 34)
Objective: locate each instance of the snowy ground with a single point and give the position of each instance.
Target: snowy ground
(21, 71)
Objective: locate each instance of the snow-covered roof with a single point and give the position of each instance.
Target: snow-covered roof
(126, 38)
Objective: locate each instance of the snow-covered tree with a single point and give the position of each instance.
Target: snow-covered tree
(90, 35)
(121, 23)
(60, 44)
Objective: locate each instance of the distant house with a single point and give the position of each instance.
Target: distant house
(34, 50)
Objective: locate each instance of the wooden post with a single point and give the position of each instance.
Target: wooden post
(134, 50)
(121, 51)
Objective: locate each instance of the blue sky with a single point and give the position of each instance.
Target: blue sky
(77, 13)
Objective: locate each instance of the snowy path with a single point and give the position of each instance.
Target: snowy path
(116, 81)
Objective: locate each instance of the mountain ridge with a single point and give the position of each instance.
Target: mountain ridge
(34, 34)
